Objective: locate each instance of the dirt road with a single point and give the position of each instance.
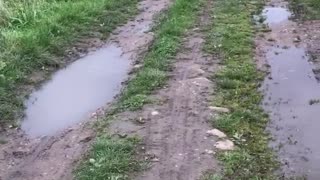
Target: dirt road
(53, 157)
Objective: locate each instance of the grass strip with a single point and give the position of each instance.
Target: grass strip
(172, 25)
(231, 37)
(169, 31)
(306, 9)
(34, 35)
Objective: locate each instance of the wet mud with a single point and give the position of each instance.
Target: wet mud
(57, 129)
(291, 94)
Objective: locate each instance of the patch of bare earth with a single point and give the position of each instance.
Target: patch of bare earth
(174, 129)
(53, 157)
(311, 36)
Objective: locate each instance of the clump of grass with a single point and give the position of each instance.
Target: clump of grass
(114, 161)
(35, 33)
(230, 37)
(110, 159)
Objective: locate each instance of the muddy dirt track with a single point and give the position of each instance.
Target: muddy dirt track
(174, 132)
(174, 129)
(53, 157)
(290, 90)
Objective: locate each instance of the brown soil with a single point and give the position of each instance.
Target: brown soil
(311, 36)
(174, 131)
(54, 157)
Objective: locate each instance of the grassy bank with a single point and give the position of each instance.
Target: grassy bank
(306, 9)
(34, 35)
(169, 32)
(231, 38)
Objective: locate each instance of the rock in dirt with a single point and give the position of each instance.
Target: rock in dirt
(209, 151)
(216, 132)
(224, 145)
(154, 113)
(219, 109)
(140, 120)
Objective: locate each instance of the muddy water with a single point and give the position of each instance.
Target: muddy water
(289, 89)
(75, 92)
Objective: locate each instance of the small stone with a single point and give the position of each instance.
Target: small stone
(225, 145)
(141, 120)
(209, 151)
(92, 161)
(155, 160)
(86, 139)
(219, 109)
(216, 132)
(271, 39)
(297, 39)
(154, 113)
(122, 135)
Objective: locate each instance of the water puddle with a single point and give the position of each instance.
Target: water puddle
(75, 92)
(275, 15)
(292, 96)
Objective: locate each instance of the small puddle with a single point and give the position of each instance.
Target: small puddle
(289, 90)
(275, 15)
(75, 92)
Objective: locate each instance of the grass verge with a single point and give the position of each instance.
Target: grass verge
(35, 33)
(169, 31)
(231, 37)
(306, 9)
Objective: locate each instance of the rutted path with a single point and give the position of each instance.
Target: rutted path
(53, 157)
(174, 133)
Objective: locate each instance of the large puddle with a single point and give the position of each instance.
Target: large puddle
(292, 97)
(75, 92)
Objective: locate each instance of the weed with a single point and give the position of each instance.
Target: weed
(231, 38)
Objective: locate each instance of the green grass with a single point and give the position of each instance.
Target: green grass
(111, 159)
(306, 9)
(168, 35)
(34, 35)
(231, 38)
(169, 30)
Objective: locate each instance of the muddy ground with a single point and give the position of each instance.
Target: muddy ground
(290, 53)
(53, 157)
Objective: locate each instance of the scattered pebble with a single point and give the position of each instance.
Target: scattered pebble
(140, 120)
(216, 132)
(219, 109)
(209, 151)
(154, 113)
(224, 145)
(92, 161)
